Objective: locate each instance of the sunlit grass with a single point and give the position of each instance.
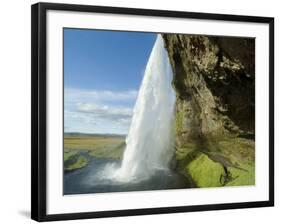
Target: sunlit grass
(91, 142)
(80, 162)
(224, 162)
(111, 153)
(111, 147)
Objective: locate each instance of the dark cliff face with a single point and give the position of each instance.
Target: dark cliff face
(214, 79)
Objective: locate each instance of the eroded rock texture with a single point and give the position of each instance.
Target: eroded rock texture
(214, 79)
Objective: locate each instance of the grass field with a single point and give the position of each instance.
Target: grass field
(102, 146)
(91, 142)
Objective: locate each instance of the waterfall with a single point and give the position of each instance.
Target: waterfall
(149, 144)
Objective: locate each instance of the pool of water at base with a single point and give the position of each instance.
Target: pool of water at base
(93, 179)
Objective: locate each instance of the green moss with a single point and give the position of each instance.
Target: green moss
(68, 155)
(185, 155)
(80, 162)
(179, 121)
(185, 151)
(73, 160)
(205, 172)
(238, 150)
(218, 161)
(242, 177)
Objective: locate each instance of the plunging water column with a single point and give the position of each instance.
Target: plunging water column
(149, 144)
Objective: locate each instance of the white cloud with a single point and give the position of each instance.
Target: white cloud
(74, 116)
(120, 114)
(98, 111)
(77, 95)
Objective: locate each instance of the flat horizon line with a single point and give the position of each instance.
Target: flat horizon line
(87, 133)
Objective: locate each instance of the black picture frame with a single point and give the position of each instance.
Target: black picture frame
(39, 121)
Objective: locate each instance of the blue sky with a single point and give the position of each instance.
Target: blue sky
(102, 74)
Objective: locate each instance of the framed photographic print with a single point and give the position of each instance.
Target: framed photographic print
(138, 111)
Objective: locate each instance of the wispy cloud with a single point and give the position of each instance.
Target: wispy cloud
(105, 112)
(77, 95)
(99, 111)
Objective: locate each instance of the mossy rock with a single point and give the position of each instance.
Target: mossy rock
(220, 161)
(75, 162)
(241, 177)
(205, 172)
(179, 121)
(186, 150)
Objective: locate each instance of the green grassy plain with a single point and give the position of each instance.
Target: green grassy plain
(102, 146)
(91, 142)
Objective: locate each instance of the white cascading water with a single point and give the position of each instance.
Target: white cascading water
(149, 144)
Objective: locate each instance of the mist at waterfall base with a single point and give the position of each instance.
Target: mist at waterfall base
(149, 144)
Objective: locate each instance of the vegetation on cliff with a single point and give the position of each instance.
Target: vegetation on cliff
(215, 108)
